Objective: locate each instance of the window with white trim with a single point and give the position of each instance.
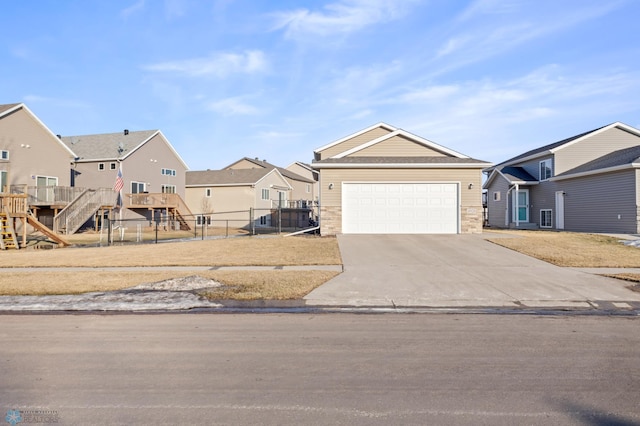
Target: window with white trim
(112, 166)
(207, 192)
(168, 172)
(496, 196)
(101, 166)
(265, 193)
(545, 169)
(168, 189)
(138, 187)
(263, 220)
(546, 216)
(4, 154)
(3, 181)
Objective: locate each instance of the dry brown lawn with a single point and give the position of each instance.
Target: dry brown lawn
(242, 284)
(570, 249)
(260, 251)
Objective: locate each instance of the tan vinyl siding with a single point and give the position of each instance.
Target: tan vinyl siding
(353, 142)
(397, 146)
(244, 164)
(593, 147)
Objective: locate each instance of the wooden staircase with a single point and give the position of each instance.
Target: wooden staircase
(8, 234)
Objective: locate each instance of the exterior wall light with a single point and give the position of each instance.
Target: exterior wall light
(470, 186)
(330, 186)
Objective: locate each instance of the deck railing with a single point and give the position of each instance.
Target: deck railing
(48, 195)
(76, 213)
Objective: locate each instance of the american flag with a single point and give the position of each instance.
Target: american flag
(119, 182)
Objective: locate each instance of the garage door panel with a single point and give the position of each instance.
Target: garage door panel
(390, 208)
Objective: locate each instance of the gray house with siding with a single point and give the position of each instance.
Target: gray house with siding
(586, 183)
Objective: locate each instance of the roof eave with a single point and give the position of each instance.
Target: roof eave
(400, 165)
(596, 172)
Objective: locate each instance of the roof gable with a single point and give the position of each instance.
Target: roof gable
(430, 148)
(7, 109)
(554, 147)
(231, 177)
(246, 161)
(114, 146)
(356, 134)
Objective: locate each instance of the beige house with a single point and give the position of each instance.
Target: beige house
(240, 197)
(385, 180)
(308, 172)
(152, 171)
(30, 153)
(35, 172)
(303, 189)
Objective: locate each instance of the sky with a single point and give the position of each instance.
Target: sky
(276, 79)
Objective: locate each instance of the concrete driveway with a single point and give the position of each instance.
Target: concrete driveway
(459, 271)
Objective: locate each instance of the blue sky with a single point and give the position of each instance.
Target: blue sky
(224, 79)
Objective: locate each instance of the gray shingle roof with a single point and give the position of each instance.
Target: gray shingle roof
(613, 159)
(105, 146)
(226, 177)
(284, 172)
(518, 174)
(400, 160)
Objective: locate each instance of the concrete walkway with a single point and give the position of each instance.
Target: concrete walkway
(460, 271)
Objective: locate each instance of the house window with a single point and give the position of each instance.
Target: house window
(168, 172)
(496, 196)
(308, 188)
(168, 189)
(112, 166)
(4, 154)
(545, 218)
(545, 169)
(207, 192)
(101, 166)
(265, 194)
(3, 181)
(263, 220)
(138, 187)
(203, 220)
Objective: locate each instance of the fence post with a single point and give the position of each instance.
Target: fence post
(279, 219)
(252, 224)
(202, 230)
(195, 227)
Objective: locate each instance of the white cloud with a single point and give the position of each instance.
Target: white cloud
(341, 17)
(136, 7)
(218, 64)
(491, 27)
(232, 106)
(59, 102)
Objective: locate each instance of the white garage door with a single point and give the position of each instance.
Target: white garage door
(400, 208)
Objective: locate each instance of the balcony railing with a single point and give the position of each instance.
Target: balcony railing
(48, 195)
(293, 204)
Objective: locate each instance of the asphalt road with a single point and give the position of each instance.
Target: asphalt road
(321, 369)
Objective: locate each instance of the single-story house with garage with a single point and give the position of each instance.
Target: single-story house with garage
(385, 180)
(586, 183)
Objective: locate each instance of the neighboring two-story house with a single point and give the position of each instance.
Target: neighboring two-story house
(239, 198)
(153, 173)
(589, 183)
(302, 187)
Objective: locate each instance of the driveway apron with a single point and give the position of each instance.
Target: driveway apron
(455, 271)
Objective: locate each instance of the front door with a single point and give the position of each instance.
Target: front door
(521, 206)
(559, 209)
